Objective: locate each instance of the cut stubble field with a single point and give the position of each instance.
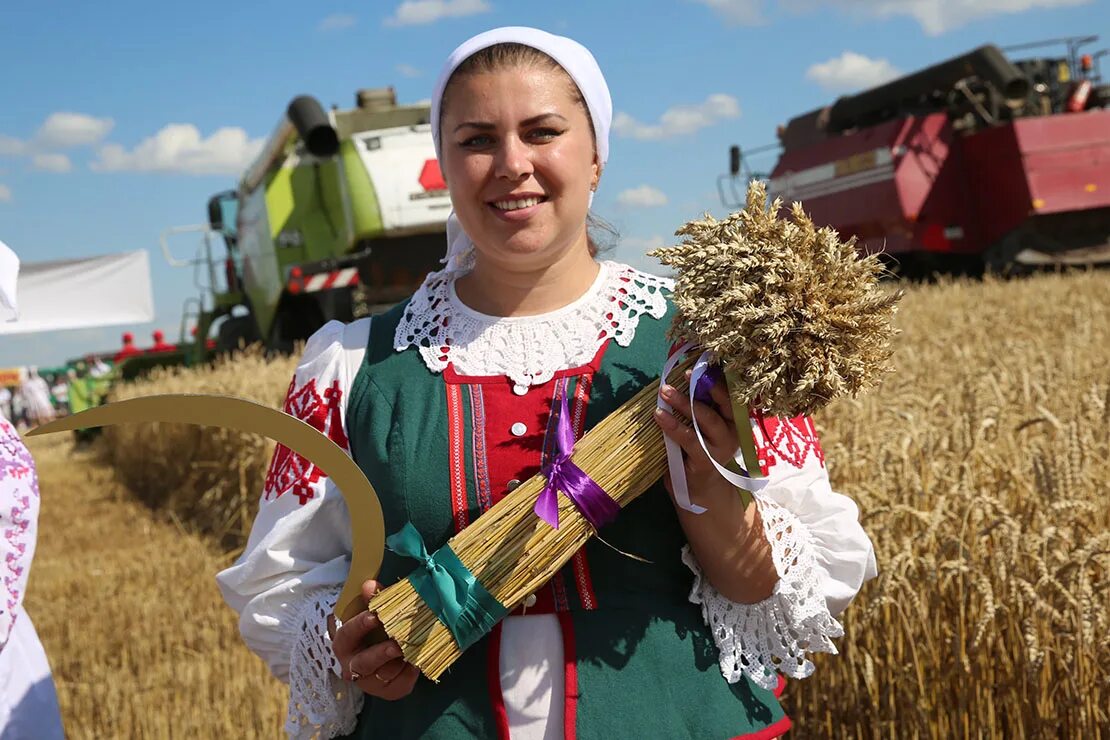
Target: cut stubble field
(981, 466)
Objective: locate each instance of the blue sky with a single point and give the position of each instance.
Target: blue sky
(119, 119)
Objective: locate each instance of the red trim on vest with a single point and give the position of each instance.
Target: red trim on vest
(778, 729)
(570, 677)
(781, 687)
(586, 594)
(478, 447)
(493, 676)
(457, 457)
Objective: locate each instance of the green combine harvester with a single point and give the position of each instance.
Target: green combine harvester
(341, 215)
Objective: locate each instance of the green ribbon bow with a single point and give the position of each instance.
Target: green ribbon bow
(451, 591)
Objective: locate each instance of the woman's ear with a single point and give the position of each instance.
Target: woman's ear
(596, 166)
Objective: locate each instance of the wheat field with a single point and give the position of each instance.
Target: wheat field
(981, 467)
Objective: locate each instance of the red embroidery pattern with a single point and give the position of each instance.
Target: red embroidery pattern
(19, 487)
(788, 440)
(290, 471)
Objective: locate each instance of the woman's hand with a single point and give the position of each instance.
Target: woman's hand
(378, 668)
(727, 540)
(719, 430)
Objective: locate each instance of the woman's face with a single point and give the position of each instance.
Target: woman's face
(519, 161)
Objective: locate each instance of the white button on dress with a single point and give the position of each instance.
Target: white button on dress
(519, 389)
(518, 429)
(530, 601)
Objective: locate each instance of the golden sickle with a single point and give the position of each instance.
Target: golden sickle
(368, 537)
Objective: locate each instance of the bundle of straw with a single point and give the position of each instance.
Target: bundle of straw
(797, 319)
(512, 551)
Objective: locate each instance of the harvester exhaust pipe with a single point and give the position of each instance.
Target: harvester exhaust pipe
(987, 63)
(305, 118)
(312, 124)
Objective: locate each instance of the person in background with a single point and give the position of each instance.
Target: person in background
(128, 348)
(28, 701)
(59, 391)
(97, 367)
(160, 344)
(36, 397)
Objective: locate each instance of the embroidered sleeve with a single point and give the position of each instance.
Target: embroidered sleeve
(19, 506)
(822, 555)
(285, 583)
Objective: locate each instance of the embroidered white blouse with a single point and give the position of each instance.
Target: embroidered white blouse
(297, 557)
(28, 702)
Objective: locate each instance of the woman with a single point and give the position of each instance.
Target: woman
(28, 702)
(446, 402)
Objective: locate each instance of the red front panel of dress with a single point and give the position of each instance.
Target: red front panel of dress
(512, 435)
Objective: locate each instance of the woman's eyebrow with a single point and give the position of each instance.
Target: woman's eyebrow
(485, 126)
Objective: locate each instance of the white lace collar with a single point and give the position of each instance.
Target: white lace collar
(528, 349)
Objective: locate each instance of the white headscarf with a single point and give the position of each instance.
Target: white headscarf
(9, 271)
(574, 58)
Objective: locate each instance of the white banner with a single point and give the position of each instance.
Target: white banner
(109, 290)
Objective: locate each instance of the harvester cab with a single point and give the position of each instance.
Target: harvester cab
(342, 214)
(977, 162)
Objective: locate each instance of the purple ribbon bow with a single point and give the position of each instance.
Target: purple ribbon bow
(563, 475)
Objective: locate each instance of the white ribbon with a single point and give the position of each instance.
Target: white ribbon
(674, 451)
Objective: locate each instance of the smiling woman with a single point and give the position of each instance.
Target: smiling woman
(452, 399)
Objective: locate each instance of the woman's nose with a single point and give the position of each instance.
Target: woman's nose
(513, 159)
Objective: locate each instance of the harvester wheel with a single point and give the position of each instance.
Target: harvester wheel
(236, 334)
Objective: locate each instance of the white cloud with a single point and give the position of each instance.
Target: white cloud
(64, 130)
(739, 12)
(934, 16)
(418, 12)
(642, 244)
(61, 130)
(644, 196)
(679, 119)
(5, 194)
(851, 71)
(178, 147)
(11, 147)
(52, 162)
(407, 70)
(336, 22)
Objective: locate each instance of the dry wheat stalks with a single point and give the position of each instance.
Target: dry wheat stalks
(796, 316)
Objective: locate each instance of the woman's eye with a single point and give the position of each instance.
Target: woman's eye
(545, 134)
(476, 141)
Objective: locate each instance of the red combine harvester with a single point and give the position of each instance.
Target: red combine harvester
(977, 162)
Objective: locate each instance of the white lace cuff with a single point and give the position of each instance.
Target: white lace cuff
(772, 636)
(321, 703)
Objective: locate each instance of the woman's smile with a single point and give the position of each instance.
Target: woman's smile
(517, 207)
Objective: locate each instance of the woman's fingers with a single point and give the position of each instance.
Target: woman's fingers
(369, 661)
(369, 588)
(350, 637)
(397, 688)
(684, 436)
(719, 394)
(719, 434)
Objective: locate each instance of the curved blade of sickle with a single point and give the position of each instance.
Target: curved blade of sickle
(368, 537)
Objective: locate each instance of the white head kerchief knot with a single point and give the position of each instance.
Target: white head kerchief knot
(574, 58)
(9, 271)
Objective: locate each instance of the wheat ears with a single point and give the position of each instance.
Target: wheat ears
(796, 316)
